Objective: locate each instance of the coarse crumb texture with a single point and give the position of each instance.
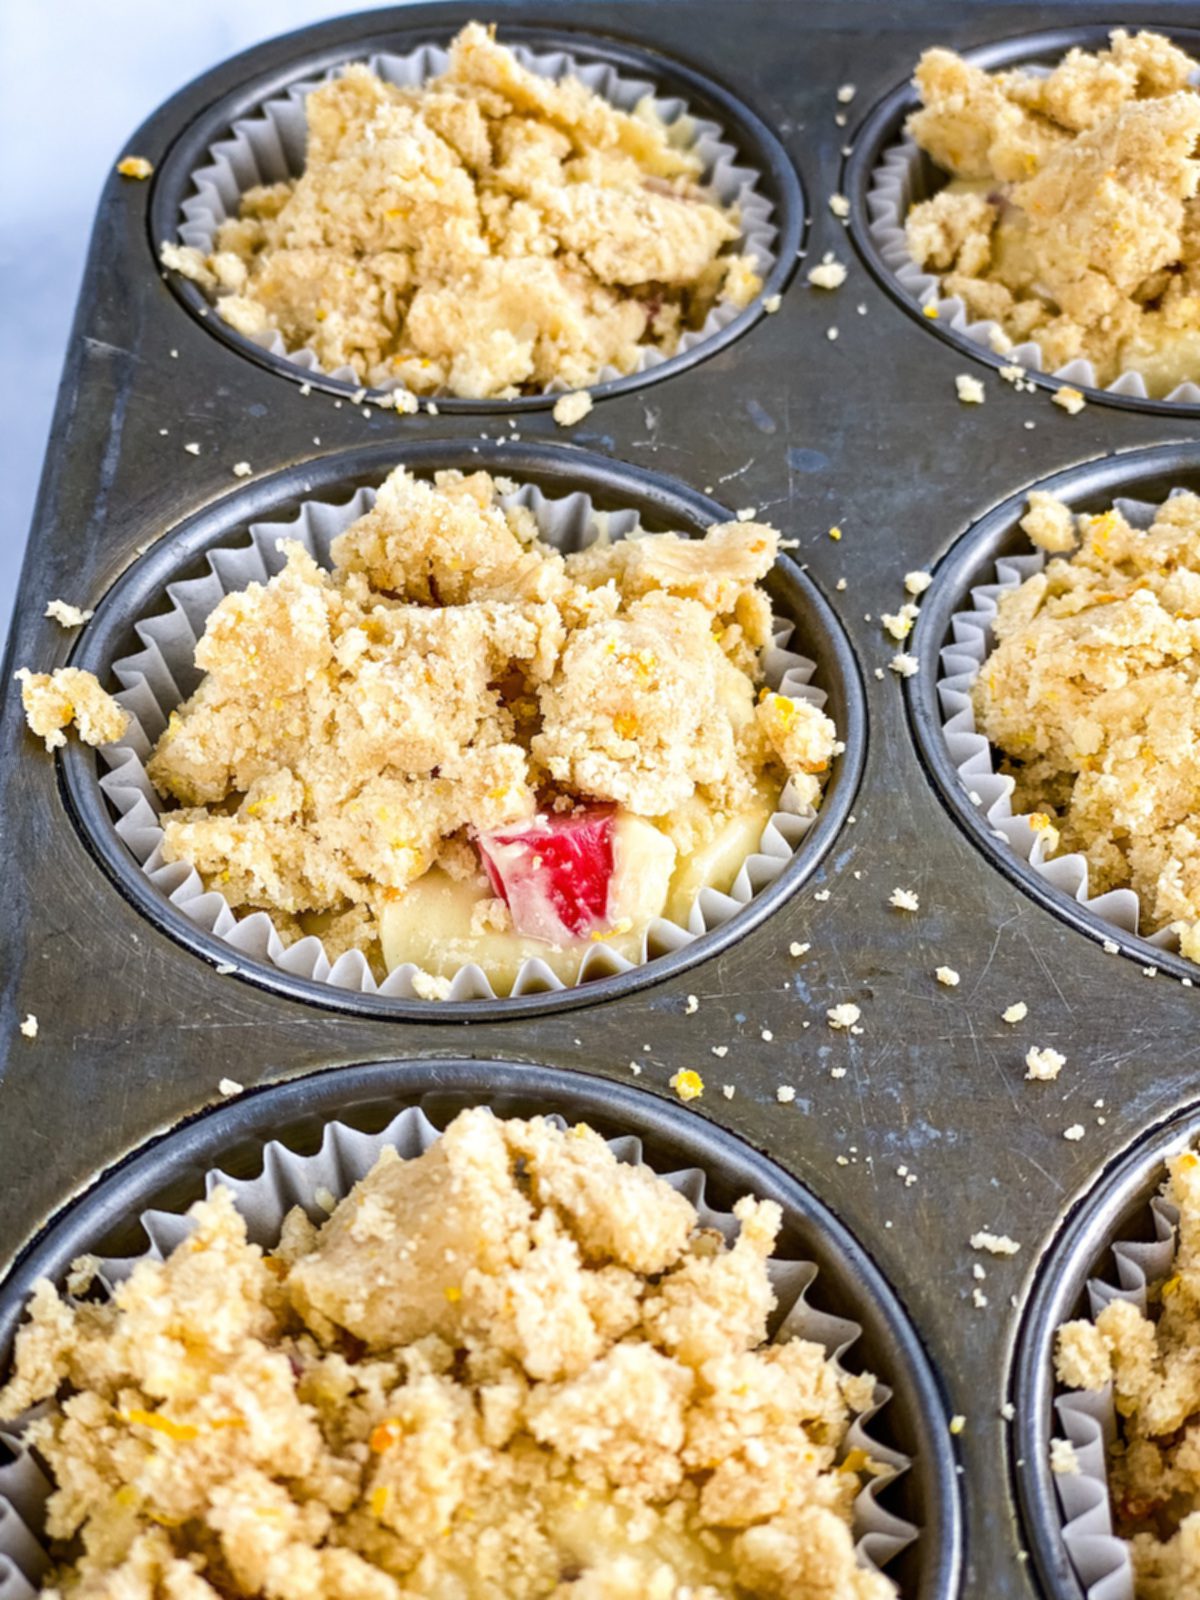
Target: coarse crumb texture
(511, 1367)
(55, 700)
(1153, 1364)
(484, 234)
(358, 730)
(1071, 219)
(1092, 693)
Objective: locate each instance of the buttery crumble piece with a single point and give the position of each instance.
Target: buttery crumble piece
(1016, 1013)
(843, 1016)
(840, 206)
(572, 408)
(484, 233)
(785, 1094)
(917, 582)
(796, 949)
(904, 900)
(135, 167)
(55, 700)
(904, 665)
(969, 390)
(242, 469)
(67, 615)
(957, 1423)
(1075, 1132)
(772, 303)
(828, 274)
(846, 93)
(1043, 1064)
(1064, 1460)
(30, 1026)
(512, 1365)
(947, 976)
(996, 1244)
(228, 1087)
(1069, 400)
(688, 1085)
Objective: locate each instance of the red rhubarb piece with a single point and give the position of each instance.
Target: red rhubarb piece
(553, 873)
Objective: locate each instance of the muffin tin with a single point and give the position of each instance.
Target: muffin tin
(929, 1132)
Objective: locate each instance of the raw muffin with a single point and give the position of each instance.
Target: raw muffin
(1071, 219)
(484, 234)
(1153, 1364)
(461, 746)
(512, 1367)
(1092, 694)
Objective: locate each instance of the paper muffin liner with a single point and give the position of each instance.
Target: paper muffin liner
(347, 1155)
(897, 183)
(161, 675)
(1089, 1421)
(974, 757)
(269, 147)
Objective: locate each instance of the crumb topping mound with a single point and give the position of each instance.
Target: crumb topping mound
(1152, 1360)
(1092, 693)
(453, 675)
(512, 1367)
(483, 234)
(1072, 219)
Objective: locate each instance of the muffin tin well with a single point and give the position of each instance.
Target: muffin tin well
(559, 471)
(1143, 475)
(168, 1177)
(621, 71)
(121, 1025)
(881, 139)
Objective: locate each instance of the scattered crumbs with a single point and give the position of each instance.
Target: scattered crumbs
(785, 1094)
(1063, 1458)
(917, 582)
(1070, 400)
(831, 333)
(839, 120)
(572, 408)
(745, 513)
(228, 1086)
(829, 274)
(1016, 1013)
(846, 93)
(861, 309)
(720, 1051)
(192, 449)
(974, 797)
(636, 1068)
(970, 390)
(772, 304)
(432, 408)
(1008, 1411)
(67, 615)
(135, 167)
(957, 1423)
(1098, 1105)
(223, 969)
(930, 311)
(767, 1036)
(242, 469)
(1111, 948)
(978, 1272)
(821, 894)
(163, 432)
(978, 1299)
(904, 666)
(840, 586)
(688, 1085)
(998, 341)
(835, 533)
(844, 1015)
(1043, 1063)
(690, 1006)
(839, 1072)
(798, 950)
(898, 623)
(30, 1026)
(948, 976)
(306, 389)
(996, 1244)
(904, 900)
(1030, 425)
(879, 673)
(174, 355)
(727, 1089)
(839, 205)
(1074, 1133)
(1149, 972)
(842, 1161)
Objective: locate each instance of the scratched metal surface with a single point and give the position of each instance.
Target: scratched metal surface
(865, 432)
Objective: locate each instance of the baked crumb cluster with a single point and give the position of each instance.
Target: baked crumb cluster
(1092, 693)
(1152, 1361)
(512, 1367)
(1072, 217)
(55, 701)
(454, 677)
(484, 234)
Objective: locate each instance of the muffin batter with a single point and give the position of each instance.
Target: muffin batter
(1091, 693)
(459, 735)
(1153, 1363)
(1072, 218)
(484, 234)
(512, 1367)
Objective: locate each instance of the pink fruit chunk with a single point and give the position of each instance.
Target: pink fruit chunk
(554, 873)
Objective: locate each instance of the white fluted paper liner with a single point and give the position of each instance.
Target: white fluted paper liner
(160, 676)
(347, 1155)
(895, 187)
(1089, 1421)
(974, 757)
(269, 146)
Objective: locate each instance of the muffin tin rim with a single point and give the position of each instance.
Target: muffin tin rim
(1120, 1189)
(757, 143)
(678, 1132)
(1115, 476)
(881, 128)
(134, 593)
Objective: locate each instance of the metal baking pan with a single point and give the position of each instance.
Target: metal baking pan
(136, 1024)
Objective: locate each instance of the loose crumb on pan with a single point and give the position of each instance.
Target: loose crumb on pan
(828, 274)
(572, 408)
(948, 976)
(840, 206)
(785, 1094)
(30, 1026)
(1016, 1013)
(904, 665)
(242, 469)
(1070, 400)
(1043, 1063)
(917, 582)
(1075, 1132)
(688, 1085)
(772, 303)
(843, 1016)
(970, 390)
(55, 700)
(996, 1244)
(904, 900)
(691, 1005)
(957, 1423)
(846, 93)
(67, 615)
(509, 1366)
(1064, 1461)
(229, 1086)
(797, 949)
(135, 167)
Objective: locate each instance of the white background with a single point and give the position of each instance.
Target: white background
(76, 78)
